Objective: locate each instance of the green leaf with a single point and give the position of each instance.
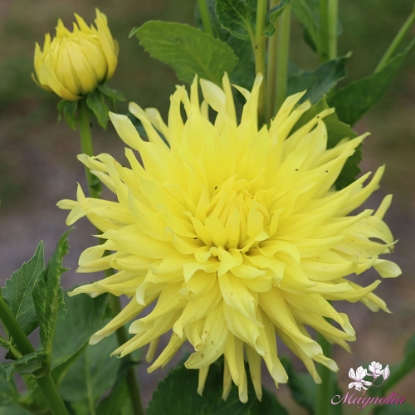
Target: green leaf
(308, 13)
(336, 131)
(18, 291)
(244, 73)
(118, 400)
(302, 386)
(97, 105)
(238, 17)
(92, 374)
(8, 390)
(177, 395)
(26, 365)
(354, 100)
(398, 371)
(47, 294)
(187, 50)
(111, 94)
(272, 16)
(404, 409)
(68, 109)
(319, 82)
(83, 319)
(13, 410)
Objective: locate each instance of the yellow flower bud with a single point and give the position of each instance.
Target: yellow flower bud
(74, 63)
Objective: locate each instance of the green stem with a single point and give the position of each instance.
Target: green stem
(271, 71)
(86, 144)
(325, 388)
(87, 148)
(204, 14)
(45, 383)
(14, 329)
(259, 52)
(396, 41)
(323, 30)
(284, 26)
(332, 12)
(52, 396)
(132, 383)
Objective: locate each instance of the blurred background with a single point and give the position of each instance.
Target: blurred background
(38, 164)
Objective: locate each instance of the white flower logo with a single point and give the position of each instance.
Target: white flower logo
(376, 370)
(358, 377)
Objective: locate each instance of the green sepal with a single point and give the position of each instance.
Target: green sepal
(17, 292)
(272, 16)
(47, 294)
(177, 395)
(112, 95)
(95, 102)
(336, 131)
(187, 50)
(355, 99)
(68, 109)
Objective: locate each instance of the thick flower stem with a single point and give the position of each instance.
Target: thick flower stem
(396, 41)
(284, 26)
(45, 383)
(87, 148)
(325, 388)
(94, 191)
(259, 52)
(204, 14)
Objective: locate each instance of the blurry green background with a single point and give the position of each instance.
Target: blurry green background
(38, 163)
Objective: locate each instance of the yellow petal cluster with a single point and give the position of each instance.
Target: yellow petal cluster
(72, 64)
(235, 232)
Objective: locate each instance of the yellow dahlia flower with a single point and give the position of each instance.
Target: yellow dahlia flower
(236, 234)
(75, 63)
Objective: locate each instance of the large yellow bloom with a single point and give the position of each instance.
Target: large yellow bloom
(237, 234)
(75, 63)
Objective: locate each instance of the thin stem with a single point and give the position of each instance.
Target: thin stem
(45, 383)
(332, 15)
(396, 41)
(284, 26)
(259, 52)
(325, 388)
(87, 148)
(14, 329)
(204, 14)
(86, 144)
(323, 30)
(271, 71)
